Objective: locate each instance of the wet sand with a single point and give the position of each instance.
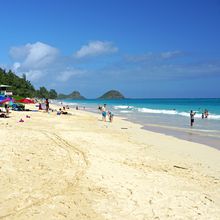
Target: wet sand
(189, 134)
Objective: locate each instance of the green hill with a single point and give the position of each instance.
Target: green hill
(112, 94)
(19, 85)
(73, 95)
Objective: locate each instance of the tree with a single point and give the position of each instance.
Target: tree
(20, 86)
(52, 94)
(24, 76)
(43, 93)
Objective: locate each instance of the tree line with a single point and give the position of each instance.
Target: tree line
(22, 87)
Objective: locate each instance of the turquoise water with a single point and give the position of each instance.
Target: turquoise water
(169, 116)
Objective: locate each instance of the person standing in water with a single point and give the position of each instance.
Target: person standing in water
(192, 114)
(206, 113)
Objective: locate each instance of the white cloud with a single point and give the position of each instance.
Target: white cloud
(95, 48)
(34, 75)
(67, 74)
(19, 53)
(34, 56)
(171, 54)
(16, 66)
(43, 64)
(152, 57)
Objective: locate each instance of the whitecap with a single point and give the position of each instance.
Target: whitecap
(174, 112)
(123, 107)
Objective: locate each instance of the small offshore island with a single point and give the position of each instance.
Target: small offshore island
(112, 94)
(73, 95)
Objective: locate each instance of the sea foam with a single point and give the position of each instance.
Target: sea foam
(123, 107)
(174, 112)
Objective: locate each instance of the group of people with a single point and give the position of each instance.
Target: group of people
(63, 111)
(192, 114)
(104, 112)
(205, 114)
(47, 105)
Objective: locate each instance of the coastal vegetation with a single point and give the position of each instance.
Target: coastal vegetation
(19, 85)
(22, 87)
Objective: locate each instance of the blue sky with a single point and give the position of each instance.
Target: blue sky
(155, 48)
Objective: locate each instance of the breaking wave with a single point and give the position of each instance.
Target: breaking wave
(174, 112)
(127, 109)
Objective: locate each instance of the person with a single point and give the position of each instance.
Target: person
(100, 108)
(40, 107)
(202, 115)
(3, 115)
(62, 112)
(110, 116)
(7, 108)
(104, 112)
(206, 113)
(47, 105)
(59, 112)
(192, 114)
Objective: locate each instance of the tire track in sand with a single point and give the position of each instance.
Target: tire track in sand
(74, 155)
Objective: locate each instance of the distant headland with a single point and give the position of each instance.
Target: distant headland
(112, 94)
(73, 95)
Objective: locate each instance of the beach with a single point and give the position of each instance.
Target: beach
(168, 116)
(79, 167)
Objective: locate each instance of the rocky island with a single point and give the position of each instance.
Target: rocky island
(112, 94)
(73, 95)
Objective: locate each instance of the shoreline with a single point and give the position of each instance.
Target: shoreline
(204, 132)
(188, 134)
(78, 167)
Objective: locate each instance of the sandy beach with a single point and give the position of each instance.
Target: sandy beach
(78, 167)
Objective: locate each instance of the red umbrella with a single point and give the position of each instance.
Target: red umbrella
(26, 101)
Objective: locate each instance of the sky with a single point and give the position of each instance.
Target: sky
(143, 48)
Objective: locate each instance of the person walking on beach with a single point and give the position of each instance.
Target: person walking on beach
(104, 112)
(110, 116)
(192, 114)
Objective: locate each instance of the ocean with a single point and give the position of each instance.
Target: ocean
(167, 116)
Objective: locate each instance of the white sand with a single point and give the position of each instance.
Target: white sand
(78, 167)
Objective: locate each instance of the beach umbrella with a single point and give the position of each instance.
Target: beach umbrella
(2, 98)
(5, 100)
(26, 101)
